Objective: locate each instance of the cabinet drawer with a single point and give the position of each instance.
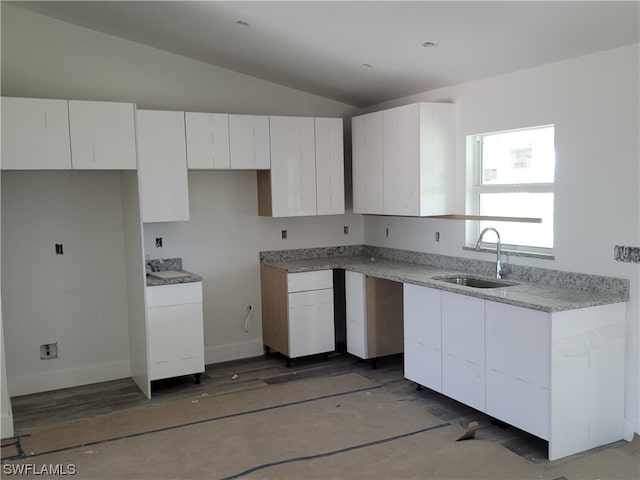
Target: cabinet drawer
(519, 403)
(303, 281)
(311, 323)
(314, 297)
(176, 294)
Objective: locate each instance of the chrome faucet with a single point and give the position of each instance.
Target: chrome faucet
(498, 249)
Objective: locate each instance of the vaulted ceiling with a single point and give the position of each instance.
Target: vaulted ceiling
(363, 53)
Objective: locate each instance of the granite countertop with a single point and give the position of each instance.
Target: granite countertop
(537, 296)
(155, 281)
(172, 265)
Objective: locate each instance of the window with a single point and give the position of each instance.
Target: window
(512, 175)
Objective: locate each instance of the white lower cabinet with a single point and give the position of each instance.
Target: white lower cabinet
(356, 314)
(297, 311)
(311, 326)
(463, 373)
(555, 375)
(423, 336)
(175, 330)
(518, 366)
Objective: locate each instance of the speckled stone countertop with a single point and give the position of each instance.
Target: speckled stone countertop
(547, 297)
(169, 264)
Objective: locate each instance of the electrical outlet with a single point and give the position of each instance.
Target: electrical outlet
(59, 249)
(386, 232)
(284, 234)
(626, 254)
(437, 236)
(345, 229)
(158, 242)
(49, 351)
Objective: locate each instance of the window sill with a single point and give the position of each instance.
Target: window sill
(515, 253)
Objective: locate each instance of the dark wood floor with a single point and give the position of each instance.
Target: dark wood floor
(32, 412)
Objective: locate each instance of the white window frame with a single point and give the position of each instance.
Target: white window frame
(475, 188)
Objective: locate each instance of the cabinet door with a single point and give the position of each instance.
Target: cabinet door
(366, 132)
(103, 135)
(329, 166)
(401, 140)
(35, 134)
(249, 142)
(423, 336)
(176, 340)
(463, 367)
(518, 364)
(293, 167)
(207, 140)
(355, 292)
(163, 166)
(437, 158)
(311, 323)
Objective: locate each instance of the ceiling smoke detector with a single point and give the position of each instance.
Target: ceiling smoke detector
(429, 44)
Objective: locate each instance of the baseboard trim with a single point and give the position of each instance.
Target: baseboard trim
(631, 427)
(69, 377)
(233, 351)
(6, 428)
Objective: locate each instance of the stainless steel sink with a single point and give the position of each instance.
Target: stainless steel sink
(474, 282)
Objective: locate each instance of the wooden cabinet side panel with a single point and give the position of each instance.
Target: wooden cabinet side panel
(265, 207)
(385, 334)
(275, 308)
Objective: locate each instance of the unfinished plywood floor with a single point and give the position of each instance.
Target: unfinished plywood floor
(44, 411)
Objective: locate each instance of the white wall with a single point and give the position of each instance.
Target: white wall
(594, 103)
(222, 242)
(78, 299)
(6, 414)
(43, 57)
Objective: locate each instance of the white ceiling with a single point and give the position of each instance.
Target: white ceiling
(321, 47)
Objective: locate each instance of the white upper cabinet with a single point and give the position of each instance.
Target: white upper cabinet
(307, 168)
(162, 166)
(401, 166)
(35, 134)
(366, 134)
(207, 141)
(329, 166)
(103, 135)
(415, 146)
(293, 166)
(249, 142)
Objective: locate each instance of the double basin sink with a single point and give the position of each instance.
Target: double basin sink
(474, 282)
